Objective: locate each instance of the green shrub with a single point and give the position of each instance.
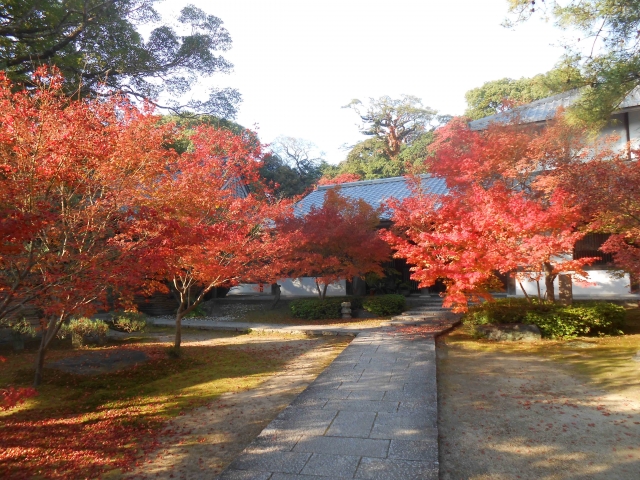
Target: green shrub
(196, 312)
(23, 327)
(504, 310)
(84, 327)
(556, 324)
(128, 322)
(316, 309)
(602, 317)
(384, 305)
(554, 320)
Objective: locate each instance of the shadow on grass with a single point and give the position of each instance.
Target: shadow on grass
(82, 425)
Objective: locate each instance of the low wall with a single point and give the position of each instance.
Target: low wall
(291, 287)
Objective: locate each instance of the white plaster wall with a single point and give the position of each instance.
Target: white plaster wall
(305, 286)
(291, 287)
(606, 286)
(634, 128)
(250, 289)
(616, 128)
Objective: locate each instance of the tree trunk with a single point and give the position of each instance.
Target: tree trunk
(324, 290)
(178, 339)
(549, 277)
(48, 333)
(40, 361)
(524, 291)
(276, 291)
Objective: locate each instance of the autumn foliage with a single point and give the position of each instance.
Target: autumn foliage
(220, 231)
(339, 179)
(72, 177)
(336, 241)
(609, 187)
(93, 201)
(506, 210)
(12, 396)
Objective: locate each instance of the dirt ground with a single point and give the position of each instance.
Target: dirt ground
(505, 414)
(201, 443)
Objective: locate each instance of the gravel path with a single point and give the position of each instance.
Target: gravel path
(508, 416)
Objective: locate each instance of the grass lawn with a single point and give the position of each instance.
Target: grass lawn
(81, 426)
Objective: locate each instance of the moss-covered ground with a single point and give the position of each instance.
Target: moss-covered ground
(80, 426)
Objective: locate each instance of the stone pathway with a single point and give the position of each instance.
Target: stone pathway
(372, 414)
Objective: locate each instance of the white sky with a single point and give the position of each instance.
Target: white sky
(296, 62)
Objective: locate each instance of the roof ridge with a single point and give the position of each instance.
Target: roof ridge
(369, 182)
(566, 99)
(525, 106)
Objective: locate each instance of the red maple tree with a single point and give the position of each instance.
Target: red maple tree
(220, 232)
(609, 188)
(93, 201)
(337, 241)
(505, 210)
(71, 177)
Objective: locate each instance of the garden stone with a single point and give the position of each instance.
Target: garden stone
(510, 332)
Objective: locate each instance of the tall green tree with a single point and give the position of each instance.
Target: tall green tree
(399, 132)
(293, 166)
(369, 160)
(396, 122)
(186, 126)
(499, 95)
(99, 48)
(607, 52)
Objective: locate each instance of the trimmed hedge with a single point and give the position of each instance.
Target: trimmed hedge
(383, 305)
(83, 326)
(128, 322)
(554, 320)
(316, 309)
(330, 307)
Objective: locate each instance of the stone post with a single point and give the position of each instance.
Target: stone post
(565, 290)
(346, 309)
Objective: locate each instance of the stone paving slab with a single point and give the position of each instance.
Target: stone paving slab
(372, 414)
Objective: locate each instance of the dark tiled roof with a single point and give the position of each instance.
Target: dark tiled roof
(374, 192)
(545, 108)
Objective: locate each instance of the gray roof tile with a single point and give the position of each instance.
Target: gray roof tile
(545, 108)
(374, 192)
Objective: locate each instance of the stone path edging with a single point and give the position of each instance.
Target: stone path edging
(411, 317)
